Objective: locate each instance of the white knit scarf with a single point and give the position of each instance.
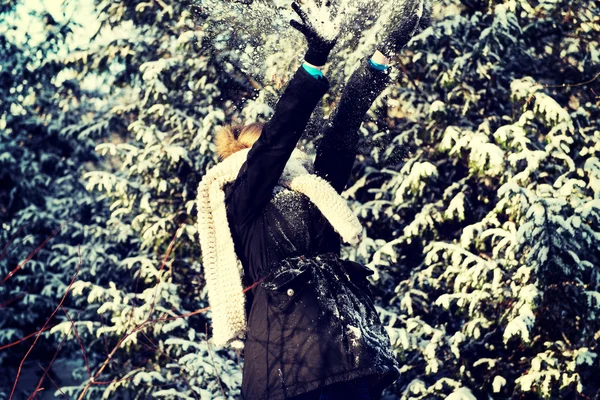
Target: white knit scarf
(222, 270)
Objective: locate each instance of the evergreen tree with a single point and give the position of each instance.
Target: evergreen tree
(47, 140)
(478, 184)
(167, 95)
(487, 234)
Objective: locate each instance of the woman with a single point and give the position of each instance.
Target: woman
(311, 329)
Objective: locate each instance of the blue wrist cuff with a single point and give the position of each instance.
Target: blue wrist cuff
(315, 72)
(378, 67)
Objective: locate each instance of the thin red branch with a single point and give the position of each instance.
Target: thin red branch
(200, 311)
(163, 319)
(110, 382)
(150, 340)
(148, 346)
(37, 391)
(12, 238)
(104, 340)
(30, 256)
(39, 385)
(45, 325)
(575, 84)
(57, 387)
(169, 249)
(93, 381)
(10, 301)
(253, 285)
(79, 341)
(137, 279)
(155, 348)
(212, 360)
(24, 338)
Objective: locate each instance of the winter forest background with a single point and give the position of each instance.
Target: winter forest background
(478, 184)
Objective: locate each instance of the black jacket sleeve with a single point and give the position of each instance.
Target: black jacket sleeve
(336, 154)
(337, 150)
(266, 160)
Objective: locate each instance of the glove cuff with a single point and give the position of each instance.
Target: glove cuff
(388, 48)
(317, 57)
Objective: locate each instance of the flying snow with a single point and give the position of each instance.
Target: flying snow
(255, 31)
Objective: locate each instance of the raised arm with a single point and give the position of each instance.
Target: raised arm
(337, 150)
(266, 160)
(269, 154)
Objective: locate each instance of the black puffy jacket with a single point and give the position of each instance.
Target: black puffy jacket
(311, 322)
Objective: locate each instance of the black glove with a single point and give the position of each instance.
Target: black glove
(403, 25)
(321, 35)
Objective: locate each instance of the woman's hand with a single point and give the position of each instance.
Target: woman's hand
(320, 30)
(403, 25)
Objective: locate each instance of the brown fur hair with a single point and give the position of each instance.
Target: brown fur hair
(232, 138)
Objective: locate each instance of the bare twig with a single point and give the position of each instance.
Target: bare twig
(10, 301)
(12, 238)
(93, 381)
(87, 367)
(104, 336)
(58, 387)
(137, 279)
(169, 249)
(155, 348)
(30, 256)
(25, 338)
(213, 363)
(563, 85)
(45, 325)
(38, 388)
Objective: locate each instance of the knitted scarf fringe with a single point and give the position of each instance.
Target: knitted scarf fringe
(222, 270)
